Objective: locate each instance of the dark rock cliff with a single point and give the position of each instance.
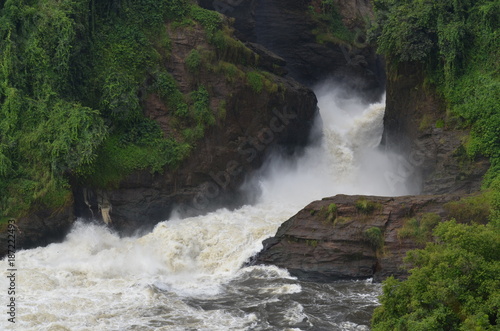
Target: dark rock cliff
(287, 28)
(334, 238)
(417, 127)
(249, 123)
(41, 228)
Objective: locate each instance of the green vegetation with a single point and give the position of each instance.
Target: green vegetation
(458, 44)
(331, 28)
(329, 214)
(440, 124)
(454, 284)
(375, 237)
(193, 61)
(332, 209)
(425, 122)
(312, 242)
(454, 281)
(255, 80)
(230, 71)
(476, 208)
(366, 207)
(73, 77)
(420, 230)
(166, 87)
(210, 20)
(339, 220)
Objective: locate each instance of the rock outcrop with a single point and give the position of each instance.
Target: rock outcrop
(417, 128)
(41, 228)
(352, 237)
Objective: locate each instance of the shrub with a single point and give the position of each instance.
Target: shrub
(230, 71)
(255, 80)
(453, 284)
(201, 107)
(332, 209)
(166, 87)
(375, 237)
(366, 207)
(210, 20)
(419, 230)
(332, 27)
(472, 209)
(193, 61)
(329, 213)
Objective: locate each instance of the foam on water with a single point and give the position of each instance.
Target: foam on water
(186, 274)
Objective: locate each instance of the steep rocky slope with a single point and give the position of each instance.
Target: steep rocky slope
(249, 121)
(414, 126)
(289, 29)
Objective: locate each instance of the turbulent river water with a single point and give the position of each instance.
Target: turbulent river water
(187, 273)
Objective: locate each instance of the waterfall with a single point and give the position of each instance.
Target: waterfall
(187, 273)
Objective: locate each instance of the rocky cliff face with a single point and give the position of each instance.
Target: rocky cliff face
(417, 127)
(249, 122)
(41, 228)
(280, 39)
(287, 28)
(353, 237)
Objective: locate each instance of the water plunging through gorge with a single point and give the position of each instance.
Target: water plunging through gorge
(187, 274)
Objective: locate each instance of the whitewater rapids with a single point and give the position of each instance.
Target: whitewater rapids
(187, 274)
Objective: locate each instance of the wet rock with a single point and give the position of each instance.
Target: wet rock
(40, 228)
(417, 127)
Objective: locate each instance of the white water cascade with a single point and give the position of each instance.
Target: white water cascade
(187, 274)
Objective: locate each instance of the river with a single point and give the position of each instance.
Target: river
(187, 273)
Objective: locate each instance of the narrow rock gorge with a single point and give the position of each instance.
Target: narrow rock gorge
(288, 46)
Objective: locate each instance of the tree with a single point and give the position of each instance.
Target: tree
(454, 285)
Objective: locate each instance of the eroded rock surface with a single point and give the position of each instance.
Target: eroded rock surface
(329, 239)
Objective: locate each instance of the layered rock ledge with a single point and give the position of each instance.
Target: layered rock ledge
(351, 237)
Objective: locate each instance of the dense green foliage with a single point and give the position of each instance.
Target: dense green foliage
(454, 284)
(458, 43)
(73, 75)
